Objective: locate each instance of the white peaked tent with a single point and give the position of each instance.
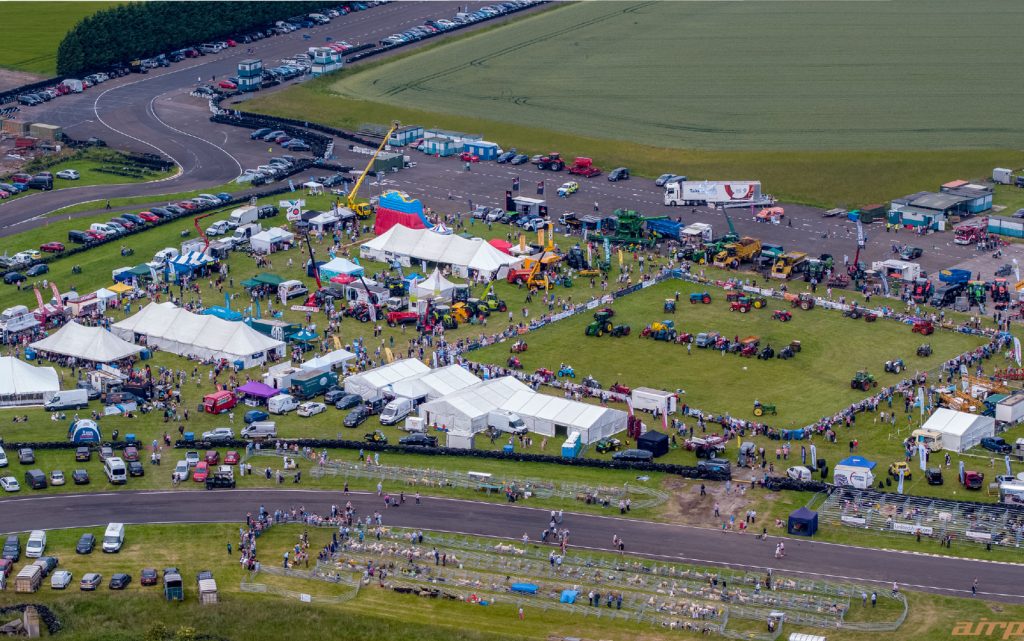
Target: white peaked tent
(339, 266)
(265, 241)
(435, 383)
(86, 343)
(23, 384)
(372, 384)
(463, 254)
(179, 331)
(433, 284)
(960, 430)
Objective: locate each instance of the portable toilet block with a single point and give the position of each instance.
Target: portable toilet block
(572, 445)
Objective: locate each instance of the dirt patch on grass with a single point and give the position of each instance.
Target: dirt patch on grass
(687, 506)
(9, 78)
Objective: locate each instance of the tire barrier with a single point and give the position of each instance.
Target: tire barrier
(781, 483)
(46, 615)
(685, 471)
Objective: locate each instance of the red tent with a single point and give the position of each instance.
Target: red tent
(500, 245)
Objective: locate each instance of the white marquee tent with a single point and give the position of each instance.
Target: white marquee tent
(373, 383)
(960, 430)
(24, 384)
(435, 284)
(405, 245)
(465, 411)
(435, 383)
(339, 266)
(271, 239)
(179, 331)
(332, 360)
(86, 343)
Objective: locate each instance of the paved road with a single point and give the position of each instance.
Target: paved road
(668, 542)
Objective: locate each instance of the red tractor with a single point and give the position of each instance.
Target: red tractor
(544, 374)
(551, 162)
(742, 306)
(618, 388)
(514, 362)
(583, 166)
(782, 315)
(684, 337)
(924, 328)
(519, 347)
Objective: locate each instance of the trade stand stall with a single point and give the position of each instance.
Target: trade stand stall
(803, 522)
(255, 393)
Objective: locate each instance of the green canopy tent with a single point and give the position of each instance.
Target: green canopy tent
(268, 279)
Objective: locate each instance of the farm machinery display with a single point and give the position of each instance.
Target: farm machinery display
(700, 297)
(803, 300)
(863, 380)
(660, 331)
(630, 229)
(760, 409)
(895, 366)
(602, 325)
(924, 350)
(514, 362)
(550, 162)
(923, 327)
(744, 304)
(519, 347)
(782, 315)
(744, 250)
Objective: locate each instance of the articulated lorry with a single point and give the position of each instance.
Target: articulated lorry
(711, 192)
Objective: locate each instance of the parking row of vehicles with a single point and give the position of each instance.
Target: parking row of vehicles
(461, 19)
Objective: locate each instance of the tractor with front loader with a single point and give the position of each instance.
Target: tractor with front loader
(660, 331)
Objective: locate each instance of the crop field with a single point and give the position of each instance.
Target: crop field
(815, 383)
(732, 75)
(32, 31)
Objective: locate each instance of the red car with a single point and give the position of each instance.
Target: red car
(148, 576)
(52, 247)
(21, 178)
(4, 194)
(6, 565)
(202, 471)
(227, 84)
(131, 453)
(148, 217)
(187, 205)
(231, 43)
(95, 235)
(212, 457)
(231, 458)
(468, 157)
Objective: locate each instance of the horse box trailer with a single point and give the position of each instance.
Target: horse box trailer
(849, 475)
(648, 400)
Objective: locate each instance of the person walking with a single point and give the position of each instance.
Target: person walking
(974, 587)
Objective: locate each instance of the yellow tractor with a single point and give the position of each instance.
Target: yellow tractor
(460, 312)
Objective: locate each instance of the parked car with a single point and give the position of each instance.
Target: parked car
(347, 401)
(135, 468)
(253, 416)
(910, 253)
(212, 457)
(57, 477)
(231, 457)
(52, 247)
(83, 454)
(633, 456)
(60, 579)
(86, 543)
(131, 453)
(418, 440)
(26, 456)
(617, 174)
(119, 581)
(90, 581)
(996, 444)
(11, 278)
(148, 576)
(68, 174)
(9, 484)
(219, 435)
(202, 471)
(37, 270)
(311, 408)
(356, 417)
(80, 477)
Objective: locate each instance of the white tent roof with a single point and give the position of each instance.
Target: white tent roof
(326, 218)
(87, 343)
(423, 244)
(435, 383)
(952, 422)
(273, 235)
(328, 360)
(341, 266)
(435, 283)
(18, 377)
(480, 399)
(103, 293)
(389, 374)
(556, 409)
(195, 334)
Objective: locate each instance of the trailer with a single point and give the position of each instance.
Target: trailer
(696, 234)
(1011, 493)
(649, 400)
(29, 579)
(898, 269)
(709, 192)
(307, 386)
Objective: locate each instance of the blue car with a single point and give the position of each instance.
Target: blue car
(253, 416)
(224, 196)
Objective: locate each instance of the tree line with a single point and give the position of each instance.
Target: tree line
(144, 29)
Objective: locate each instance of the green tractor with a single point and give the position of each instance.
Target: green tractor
(599, 328)
(863, 380)
(442, 315)
(494, 304)
(478, 307)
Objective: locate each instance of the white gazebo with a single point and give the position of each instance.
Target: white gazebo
(433, 285)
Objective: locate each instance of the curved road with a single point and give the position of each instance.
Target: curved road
(668, 542)
(153, 113)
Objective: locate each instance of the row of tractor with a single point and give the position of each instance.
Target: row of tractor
(602, 325)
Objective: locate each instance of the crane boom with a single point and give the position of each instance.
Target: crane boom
(362, 210)
(312, 262)
(202, 234)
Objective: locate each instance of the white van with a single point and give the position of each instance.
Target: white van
(395, 411)
(260, 429)
(3, 458)
(165, 254)
(291, 289)
(69, 399)
(36, 544)
(799, 473)
(181, 470)
(282, 404)
(506, 421)
(113, 538)
(116, 471)
(104, 229)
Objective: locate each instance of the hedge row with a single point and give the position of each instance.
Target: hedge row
(144, 29)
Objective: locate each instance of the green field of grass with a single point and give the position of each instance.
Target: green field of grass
(32, 31)
(707, 75)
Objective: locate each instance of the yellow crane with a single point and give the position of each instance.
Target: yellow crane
(363, 209)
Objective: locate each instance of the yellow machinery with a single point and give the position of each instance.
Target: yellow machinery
(744, 250)
(363, 209)
(789, 264)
